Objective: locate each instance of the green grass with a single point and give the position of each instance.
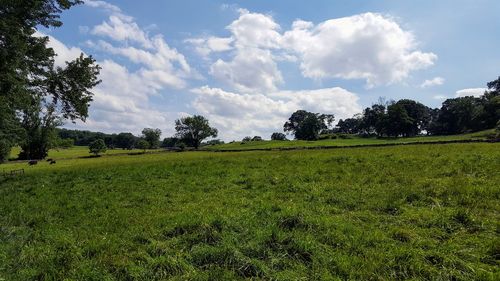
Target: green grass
(351, 141)
(79, 151)
(381, 213)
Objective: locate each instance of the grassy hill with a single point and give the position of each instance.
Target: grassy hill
(400, 212)
(350, 140)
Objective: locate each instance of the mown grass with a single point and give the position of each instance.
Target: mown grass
(346, 140)
(402, 212)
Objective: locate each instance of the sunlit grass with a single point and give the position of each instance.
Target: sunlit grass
(403, 212)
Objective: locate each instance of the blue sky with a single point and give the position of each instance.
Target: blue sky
(247, 65)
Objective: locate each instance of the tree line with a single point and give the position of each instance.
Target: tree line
(406, 118)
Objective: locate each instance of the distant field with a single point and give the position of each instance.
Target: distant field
(380, 213)
(351, 141)
(78, 151)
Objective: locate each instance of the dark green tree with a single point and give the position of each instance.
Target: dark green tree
(125, 140)
(278, 136)
(30, 83)
(143, 144)
(152, 136)
(97, 147)
(307, 125)
(193, 130)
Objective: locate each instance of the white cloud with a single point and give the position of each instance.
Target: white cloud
(475, 92)
(250, 70)
(367, 46)
(103, 5)
(432, 82)
(122, 29)
(238, 115)
(206, 46)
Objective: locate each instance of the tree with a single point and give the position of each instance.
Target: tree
(419, 116)
(307, 125)
(96, 147)
(278, 136)
(170, 142)
(31, 86)
(194, 129)
(257, 138)
(125, 141)
(397, 121)
(246, 139)
(349, 125)
(152, 136)
(143, 144)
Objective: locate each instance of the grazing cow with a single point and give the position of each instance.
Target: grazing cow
(32, 162)
(52, 162)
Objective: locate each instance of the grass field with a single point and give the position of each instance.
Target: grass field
(380, 213)
(79, 152)
(351, 141)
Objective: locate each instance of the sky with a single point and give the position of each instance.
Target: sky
(247, 65)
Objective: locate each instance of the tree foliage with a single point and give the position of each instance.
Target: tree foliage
(278, 136)
(193, 130)
(31, 86)
(96, 147)
(152, 136)
(307, 125)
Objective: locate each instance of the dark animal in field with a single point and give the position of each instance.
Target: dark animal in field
(32, 162)
(52, 162)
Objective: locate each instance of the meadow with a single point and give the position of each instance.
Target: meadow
(414, 212)
(346, 140)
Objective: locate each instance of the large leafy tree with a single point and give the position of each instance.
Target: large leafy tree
(193, 130)
(152, 136)
(307, 125)
(36, 95)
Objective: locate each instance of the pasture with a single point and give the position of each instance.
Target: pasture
(401, 212)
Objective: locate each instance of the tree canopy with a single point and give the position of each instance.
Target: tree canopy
(193, 130)
(36, 95)
(307, 125)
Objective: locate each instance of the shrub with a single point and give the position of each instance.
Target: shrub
(278, 136)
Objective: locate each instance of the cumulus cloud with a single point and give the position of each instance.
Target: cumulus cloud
(475, 92)
(439, 97)
(367, 46)
(432, 82)
(238, 115)
(122, 102)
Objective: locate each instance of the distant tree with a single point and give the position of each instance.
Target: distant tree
(457, 115)
(96, 147)
(278, 136)
(143, 144)
(257, 138)
(373, 119)
(194, 129)
(419, 115)
(152, 136)
(246, 139)
(125, 140)
(170, 142)
(349, 125)
(397, 122)
(214, 142)
(307, 125)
